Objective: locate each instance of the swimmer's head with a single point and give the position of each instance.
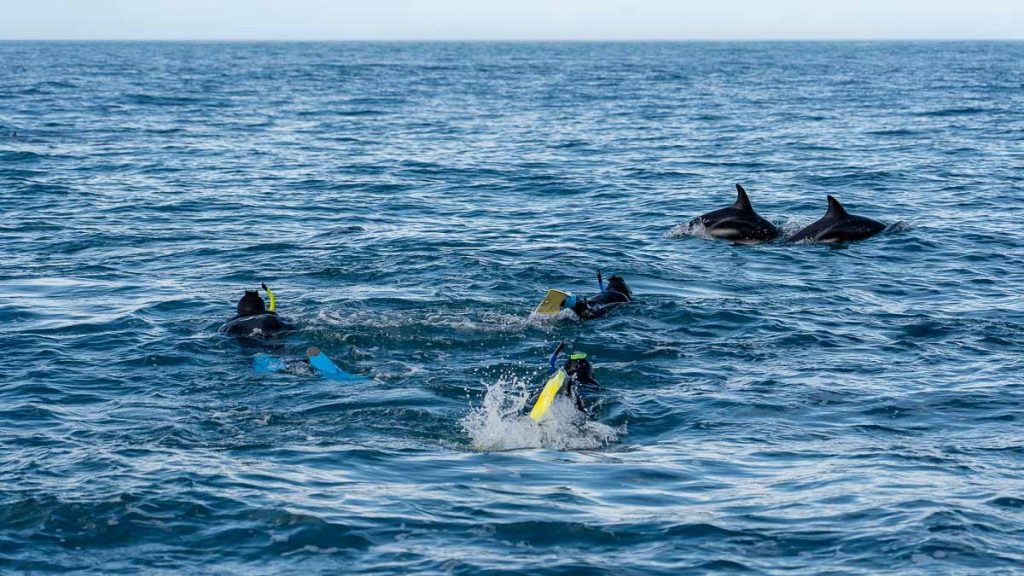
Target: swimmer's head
(617, 284)
(251, 304)
(579, 368)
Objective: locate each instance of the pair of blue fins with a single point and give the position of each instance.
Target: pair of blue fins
(254, 318)
(741, 224)
(320, 362)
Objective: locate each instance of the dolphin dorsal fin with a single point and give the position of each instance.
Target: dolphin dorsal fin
(835, 209)
(742, 202)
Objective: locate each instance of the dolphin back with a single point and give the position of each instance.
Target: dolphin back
(838, 225)
(738, 223)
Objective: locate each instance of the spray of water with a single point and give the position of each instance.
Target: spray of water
(501, 423)
(688, 229)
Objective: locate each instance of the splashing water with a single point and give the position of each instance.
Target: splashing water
(562, 315)
(501, 423)
(685, 229)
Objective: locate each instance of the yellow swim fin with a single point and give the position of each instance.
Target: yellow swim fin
(547, 396)
(552, 303)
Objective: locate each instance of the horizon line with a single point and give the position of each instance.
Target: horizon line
(516, 40)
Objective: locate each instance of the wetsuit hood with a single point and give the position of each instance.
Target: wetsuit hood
(251, 304)
(581, 370)
(617, 284)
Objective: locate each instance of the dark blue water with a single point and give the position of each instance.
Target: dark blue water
(766, 409)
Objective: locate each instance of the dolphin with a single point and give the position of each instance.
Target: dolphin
(837, 225)
(738, 222)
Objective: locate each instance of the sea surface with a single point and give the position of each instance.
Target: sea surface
(772, 409)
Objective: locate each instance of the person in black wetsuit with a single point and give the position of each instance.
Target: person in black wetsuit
(610, 297)
(578, 381)
(581, 379)
(253, 318)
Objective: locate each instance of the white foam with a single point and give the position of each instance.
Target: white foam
(539, 320)
(686, 229)
(501, 423)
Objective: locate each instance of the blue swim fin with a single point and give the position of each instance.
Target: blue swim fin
(267, 364)
(328, 369)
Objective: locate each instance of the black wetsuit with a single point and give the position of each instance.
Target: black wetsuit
(253, 318)
(266, 323)
(602, 303)
(580, 382)
(577, 391)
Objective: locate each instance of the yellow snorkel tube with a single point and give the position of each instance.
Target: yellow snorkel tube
(551, 388)
(270, 295)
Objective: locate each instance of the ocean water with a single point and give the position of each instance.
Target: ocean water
(772, 409)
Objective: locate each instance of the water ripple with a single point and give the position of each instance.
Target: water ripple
(766, 409)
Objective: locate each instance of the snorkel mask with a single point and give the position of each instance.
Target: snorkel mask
(581, 369)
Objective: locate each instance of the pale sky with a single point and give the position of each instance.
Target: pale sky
(511, 19)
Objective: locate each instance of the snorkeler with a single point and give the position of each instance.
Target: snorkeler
(254, 318)
(573, 379)
(610, 297)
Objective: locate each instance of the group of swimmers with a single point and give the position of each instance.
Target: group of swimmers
(738, 223)
(255, 318)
